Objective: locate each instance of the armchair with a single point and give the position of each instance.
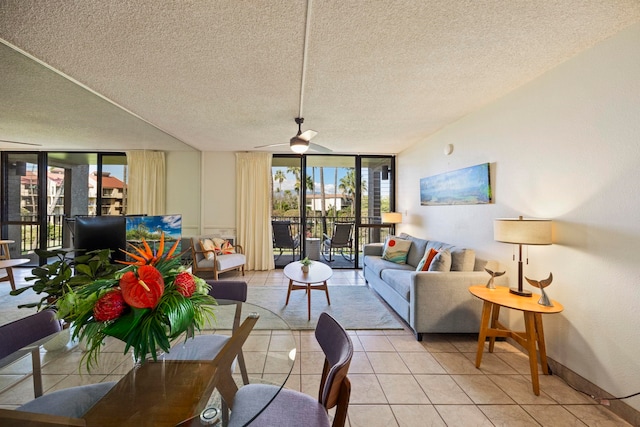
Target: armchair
(207, 260)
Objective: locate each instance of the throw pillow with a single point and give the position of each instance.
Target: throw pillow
(227, 248)
(208, 247)
(426, 260)
(441, 262)
(396, 250)
(218, 242)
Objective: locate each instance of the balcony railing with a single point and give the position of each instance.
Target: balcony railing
(370, 231)
(30, 232)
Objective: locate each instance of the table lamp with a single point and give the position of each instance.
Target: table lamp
(522, 231)
(392, 218)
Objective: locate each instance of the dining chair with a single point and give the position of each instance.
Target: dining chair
(201, 347)
(24, 332)
(71, 402)
(341, 239)
(283, 238)
(292, 408)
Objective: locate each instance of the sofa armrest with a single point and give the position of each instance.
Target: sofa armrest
(436, 295)
(373, 249)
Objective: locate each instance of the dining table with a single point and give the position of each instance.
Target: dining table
(188, 392)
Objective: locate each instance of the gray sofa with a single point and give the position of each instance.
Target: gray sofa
(430, 301)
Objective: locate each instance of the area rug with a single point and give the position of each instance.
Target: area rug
(355, 307)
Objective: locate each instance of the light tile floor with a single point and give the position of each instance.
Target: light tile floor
(396, 380)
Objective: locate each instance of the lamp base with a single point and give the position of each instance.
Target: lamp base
(522, 293)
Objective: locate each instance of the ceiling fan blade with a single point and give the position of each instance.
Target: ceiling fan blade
(271, 145)
(21, 143)
(319, 148)
(308, 134)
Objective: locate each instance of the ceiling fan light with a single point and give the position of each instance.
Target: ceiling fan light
(298, 145)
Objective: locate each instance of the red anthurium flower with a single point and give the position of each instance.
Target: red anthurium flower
(144, 289)
(109, 306)
(185, 284)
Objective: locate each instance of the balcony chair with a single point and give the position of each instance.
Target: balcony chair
(203, 347)
(292, 408)
(283, 238)
(341, 239)
(207, 260)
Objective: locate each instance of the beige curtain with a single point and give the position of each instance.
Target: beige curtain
(253, 209)
(146, 189)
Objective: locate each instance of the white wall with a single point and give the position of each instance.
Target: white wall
(565, 146)
(219, 193)
(183, 189)
(202, 187)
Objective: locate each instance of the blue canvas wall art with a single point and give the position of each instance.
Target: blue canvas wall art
(466, 186)
(151, 227)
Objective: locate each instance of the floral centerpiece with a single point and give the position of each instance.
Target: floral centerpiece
(147, 304)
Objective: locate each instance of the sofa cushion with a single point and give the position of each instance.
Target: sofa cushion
(398, 280)
(441, 262)
(377, 265)
(417, 250)
(230, 261)
(396, 249)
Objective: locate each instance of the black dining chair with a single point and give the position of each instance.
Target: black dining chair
(341, 239)
(66, 403)
(24, 332)
(283, 238)
(201, 347)
(292, 408)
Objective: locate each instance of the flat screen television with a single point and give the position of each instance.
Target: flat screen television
(100, 232)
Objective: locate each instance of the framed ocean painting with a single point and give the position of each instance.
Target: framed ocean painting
(468, 186)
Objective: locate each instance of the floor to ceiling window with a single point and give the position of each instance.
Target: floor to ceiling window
(344, 197)
(42, 193)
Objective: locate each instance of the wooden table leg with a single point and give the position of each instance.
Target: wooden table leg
(326, 291)
(530, 324)
(289, 292)
(494, 324)
(482, 335)
(542, 349)
(308, 301)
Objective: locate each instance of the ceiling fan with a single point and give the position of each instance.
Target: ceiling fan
(20, 143)
(300, 143)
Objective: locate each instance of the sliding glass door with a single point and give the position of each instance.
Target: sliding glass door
(43, 192)
(343, 198)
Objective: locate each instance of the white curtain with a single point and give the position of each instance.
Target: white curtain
(146, 190)
(253, 209)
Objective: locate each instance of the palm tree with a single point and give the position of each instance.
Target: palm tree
(279, 177)
(296, 172)
(348, 187)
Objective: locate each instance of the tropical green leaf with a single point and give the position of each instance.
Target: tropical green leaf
(123, 326)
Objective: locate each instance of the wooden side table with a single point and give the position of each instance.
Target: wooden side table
(534, 334)
(4, 249)
(7, 263)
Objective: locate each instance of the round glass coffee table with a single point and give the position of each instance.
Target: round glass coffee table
(316, 278)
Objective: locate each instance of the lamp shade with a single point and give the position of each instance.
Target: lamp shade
(524, 231)
(391, 217)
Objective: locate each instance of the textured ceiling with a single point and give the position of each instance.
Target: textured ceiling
(226, 75)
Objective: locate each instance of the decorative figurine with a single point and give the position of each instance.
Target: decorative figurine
(544, 298)
(493, 275)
